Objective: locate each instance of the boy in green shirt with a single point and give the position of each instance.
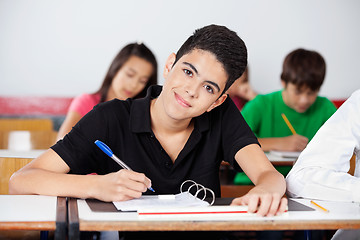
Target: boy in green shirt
(302, 76)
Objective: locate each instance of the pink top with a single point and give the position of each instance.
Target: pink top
(84, 103)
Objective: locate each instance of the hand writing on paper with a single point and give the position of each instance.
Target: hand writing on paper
(293, 143)
(262, 202)
(122, 185)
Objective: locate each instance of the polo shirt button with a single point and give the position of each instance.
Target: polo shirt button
(168, 164)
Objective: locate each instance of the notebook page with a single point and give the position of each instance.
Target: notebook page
(184, 199)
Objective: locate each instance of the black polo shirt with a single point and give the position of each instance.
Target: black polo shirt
(125, 127)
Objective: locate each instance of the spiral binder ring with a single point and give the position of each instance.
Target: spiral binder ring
(199, 188)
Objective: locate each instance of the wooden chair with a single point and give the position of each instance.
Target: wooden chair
(33, 139)
(231, 191)
(30, 124)
(7, 167)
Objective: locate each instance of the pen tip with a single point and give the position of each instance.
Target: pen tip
(151, 189)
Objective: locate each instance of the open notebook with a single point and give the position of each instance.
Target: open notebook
(176, 206)
(145, 203)
(189, 196)
(186, 203)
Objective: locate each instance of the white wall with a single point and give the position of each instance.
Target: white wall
(63, 48)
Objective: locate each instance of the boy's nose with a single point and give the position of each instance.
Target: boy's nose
(191, 89)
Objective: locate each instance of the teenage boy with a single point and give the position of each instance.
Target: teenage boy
(179, 131)
(302, 76)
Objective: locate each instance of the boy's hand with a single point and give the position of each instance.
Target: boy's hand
(262, 202)
(122, 185)
(295, 143)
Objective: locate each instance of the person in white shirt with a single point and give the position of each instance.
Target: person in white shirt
(321, 171)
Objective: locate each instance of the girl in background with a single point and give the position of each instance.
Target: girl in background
(241, 92)
(132, 71)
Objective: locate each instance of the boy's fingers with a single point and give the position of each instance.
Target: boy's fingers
(274, 207)
(283, 206)
(264, 204)
(253, 203)
(136, 181)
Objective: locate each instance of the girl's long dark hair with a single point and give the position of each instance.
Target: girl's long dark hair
(133, 49)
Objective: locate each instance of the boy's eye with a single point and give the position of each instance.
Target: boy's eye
(209, 88)
(188, 72)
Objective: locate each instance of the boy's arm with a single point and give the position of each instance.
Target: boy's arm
(267, 196)
(295, 143)
(254, 114)
(47, 175)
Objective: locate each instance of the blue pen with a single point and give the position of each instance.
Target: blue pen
(108, 152)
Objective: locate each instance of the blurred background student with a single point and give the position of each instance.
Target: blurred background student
(301, 78)
(131, 72)
(241, 91)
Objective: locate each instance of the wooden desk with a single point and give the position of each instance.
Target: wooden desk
(341, 215)
(10, 162)
(27, 140)
(280, 161)
(34, 212)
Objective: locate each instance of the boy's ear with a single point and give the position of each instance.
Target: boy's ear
(283, 84)
(168, 64)
(218, 102)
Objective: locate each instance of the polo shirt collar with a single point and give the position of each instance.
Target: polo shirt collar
(140, 113)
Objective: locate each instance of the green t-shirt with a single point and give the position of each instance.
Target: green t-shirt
(263, 115)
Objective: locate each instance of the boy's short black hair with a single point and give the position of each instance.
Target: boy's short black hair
(225, 44)
(304, 68)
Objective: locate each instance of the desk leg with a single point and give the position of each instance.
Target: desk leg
(44, 235)
(61, 219)
(73, 214)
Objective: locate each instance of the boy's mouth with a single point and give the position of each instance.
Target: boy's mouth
(182, 101)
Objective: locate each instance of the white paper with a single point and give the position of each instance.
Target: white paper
(285, 154)
(184, 199)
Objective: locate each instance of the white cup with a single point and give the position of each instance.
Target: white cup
(19, 141)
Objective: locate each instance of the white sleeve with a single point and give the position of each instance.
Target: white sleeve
(321, 170)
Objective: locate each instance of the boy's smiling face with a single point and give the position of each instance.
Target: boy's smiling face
(193, 85)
